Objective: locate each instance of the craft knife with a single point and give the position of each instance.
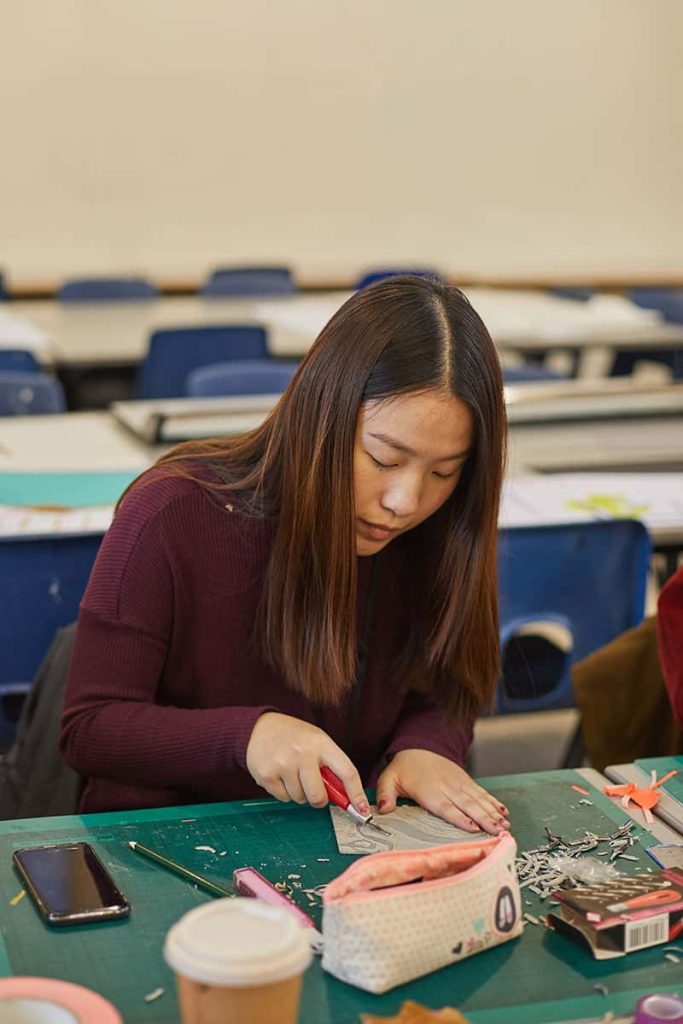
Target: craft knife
(338, 795)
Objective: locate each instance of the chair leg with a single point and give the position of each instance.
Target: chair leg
(576, 751)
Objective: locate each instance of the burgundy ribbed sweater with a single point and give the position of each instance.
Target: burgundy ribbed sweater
(166, 682)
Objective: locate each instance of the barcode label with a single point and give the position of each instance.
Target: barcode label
(639, 934)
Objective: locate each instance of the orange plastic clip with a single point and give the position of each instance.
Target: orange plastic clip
(646, 798)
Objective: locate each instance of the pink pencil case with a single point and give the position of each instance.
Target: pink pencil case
(392, 917)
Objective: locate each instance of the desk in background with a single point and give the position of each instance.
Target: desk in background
(114, 333)
(125, 442)
(81, 461)
(573, 409)
(74, 441)
(542, 977)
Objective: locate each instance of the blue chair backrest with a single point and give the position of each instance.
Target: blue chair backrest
(106, 289)
(18, 360)
(242, 377)
(577, 294)
(30, 394)
(626, 360)
(587, 578)
(43, 580)
(668, 301)
(370, 276)
(528, 373)
(236, 281)
(174, 352)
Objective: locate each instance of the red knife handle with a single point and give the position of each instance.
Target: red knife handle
(335, 788)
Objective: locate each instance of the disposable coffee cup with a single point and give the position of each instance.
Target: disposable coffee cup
(238, 960)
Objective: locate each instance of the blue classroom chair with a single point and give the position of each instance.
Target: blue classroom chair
(18, 360)
(581, 581)
(43, 580)
(175, 351)
(241, 377)
(669, 303)
(578, 294)
(244, 281)
(379, 273)
(529, 373)
(106, 289)
(30, 394)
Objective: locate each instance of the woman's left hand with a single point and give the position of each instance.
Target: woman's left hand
(441, 787)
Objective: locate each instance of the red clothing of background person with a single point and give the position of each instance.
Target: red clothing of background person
(670, 629)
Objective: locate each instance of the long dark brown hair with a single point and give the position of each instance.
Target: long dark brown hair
(405, 334)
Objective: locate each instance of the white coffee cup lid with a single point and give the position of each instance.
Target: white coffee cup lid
(237, 941)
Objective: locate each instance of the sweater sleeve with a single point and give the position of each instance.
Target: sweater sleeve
(422, 725)
(114, 724)
(670, 630)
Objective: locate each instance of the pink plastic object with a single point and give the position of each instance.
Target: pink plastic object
(87, 1007)
(250, 882)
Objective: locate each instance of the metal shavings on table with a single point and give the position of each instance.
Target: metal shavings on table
(538, 869)
(602, 989)
(152, 997)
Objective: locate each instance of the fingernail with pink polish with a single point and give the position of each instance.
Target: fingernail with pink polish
(381, 805)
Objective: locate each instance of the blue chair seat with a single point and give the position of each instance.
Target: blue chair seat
(30, 394)
(241, 377)
(174, 352)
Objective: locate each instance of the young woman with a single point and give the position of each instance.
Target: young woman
(320, 591)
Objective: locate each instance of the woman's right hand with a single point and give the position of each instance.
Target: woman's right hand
(285, 755)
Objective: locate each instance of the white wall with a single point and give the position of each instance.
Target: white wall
(503, 136)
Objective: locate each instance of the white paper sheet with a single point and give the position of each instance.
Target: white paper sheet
(412, 828)
(654, 498)
(25, 521)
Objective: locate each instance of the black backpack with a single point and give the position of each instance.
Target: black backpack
(34, 780)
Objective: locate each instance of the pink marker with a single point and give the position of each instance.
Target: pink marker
(250, 882)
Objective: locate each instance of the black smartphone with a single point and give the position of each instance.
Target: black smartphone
(69, 883)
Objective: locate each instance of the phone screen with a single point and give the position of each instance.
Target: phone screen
(70, 883)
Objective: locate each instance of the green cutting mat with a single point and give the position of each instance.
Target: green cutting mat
(662, 765)
(543, 975)
(69, 489)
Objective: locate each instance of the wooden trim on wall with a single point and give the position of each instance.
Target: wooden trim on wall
(601, 282)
